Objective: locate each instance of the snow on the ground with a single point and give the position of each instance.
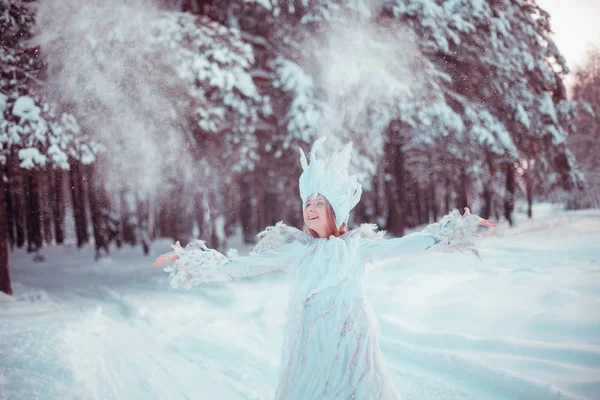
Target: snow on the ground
(522, 323)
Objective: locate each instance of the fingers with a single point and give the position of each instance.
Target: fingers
(164, 258)
(482, 222)
(488, 223)
(159, 261)
(167, 257)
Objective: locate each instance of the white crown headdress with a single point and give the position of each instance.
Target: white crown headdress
(331, 180)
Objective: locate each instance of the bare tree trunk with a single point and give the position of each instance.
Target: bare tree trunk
(496, 207)
(486, 211)
(396, 194)
(46, 189)
(379, 187)
(529, 187)
(247, 214)
(142, 216)
(447, 196)
(152, 223)
(4, 273)
(231, 210)
(208, 233)
(217, 237)
(167, 221)
(9, 210)
(199, 213)
(18, 198)
(270, 206)
(58, 204)
(127, 225)
(183, 223)
(433, 200)
(34, 226)
(410, 214)
(210, 217)
(176, 221)
(509, 199)
(425, 209)
(419, 205)
(98, 210)
(463, 188)
(259, 207)
(79, 213)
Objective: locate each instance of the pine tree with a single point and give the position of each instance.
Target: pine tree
(584, 137)
(34, 133)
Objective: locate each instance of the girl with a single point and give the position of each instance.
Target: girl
(330, 348)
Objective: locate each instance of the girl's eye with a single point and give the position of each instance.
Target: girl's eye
(320, 203)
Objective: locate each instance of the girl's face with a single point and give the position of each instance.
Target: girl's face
(315, 214)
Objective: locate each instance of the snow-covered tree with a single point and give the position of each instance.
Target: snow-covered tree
(504, 80)
(195, 104)
(584, 137)
(167, 93)
(487, 78)
(35, 135)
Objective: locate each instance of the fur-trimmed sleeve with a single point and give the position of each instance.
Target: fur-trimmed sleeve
(452, 233)
(280, 235)
(279, 246)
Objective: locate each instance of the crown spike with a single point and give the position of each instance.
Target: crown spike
(313, 151)
(303, 161)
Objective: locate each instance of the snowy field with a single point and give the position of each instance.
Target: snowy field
(522, 323)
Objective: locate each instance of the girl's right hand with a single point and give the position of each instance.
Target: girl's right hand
(168, 257)
(483, 222)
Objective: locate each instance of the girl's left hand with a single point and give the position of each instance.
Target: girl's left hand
(483, 222)
(168, 257)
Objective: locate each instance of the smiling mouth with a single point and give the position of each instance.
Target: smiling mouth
(312, 218)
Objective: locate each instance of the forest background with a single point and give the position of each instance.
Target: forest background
(125, 121)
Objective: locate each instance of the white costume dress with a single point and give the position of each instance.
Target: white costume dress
(330, 348)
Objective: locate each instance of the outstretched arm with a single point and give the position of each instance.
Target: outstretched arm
(404, 247)
(198, 264)
(453, 231)
(263, 262)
